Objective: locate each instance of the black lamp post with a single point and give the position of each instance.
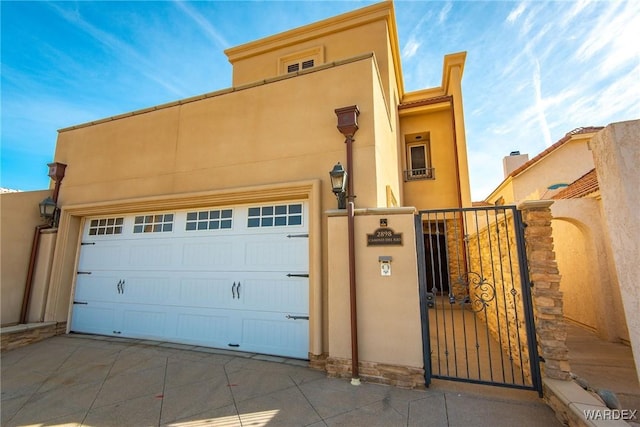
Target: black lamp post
(339, 184)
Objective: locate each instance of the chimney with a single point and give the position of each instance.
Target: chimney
(513, 161)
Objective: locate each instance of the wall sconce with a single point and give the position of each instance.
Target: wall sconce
(339, 184)
(48, 210)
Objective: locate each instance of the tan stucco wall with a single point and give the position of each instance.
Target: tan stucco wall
(237, 139)
(567, 163)
(441, 192)
(589, 285)
(19, 216)
(362, 31)
(389, 329)
(616, 156)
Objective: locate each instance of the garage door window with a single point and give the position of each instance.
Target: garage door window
(275, 216)
(153, 223)
(104, 226)
(218, 219)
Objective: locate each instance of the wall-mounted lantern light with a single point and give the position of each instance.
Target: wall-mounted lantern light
(48, 209)
(339, 184)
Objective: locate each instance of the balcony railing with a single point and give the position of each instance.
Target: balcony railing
(418, 174)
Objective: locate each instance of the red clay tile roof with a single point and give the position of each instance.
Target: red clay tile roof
(551, 148)
(586, 184)
(425, 101)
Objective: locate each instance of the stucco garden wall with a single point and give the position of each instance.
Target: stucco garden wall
(19, 217)
(589, 282)
(389, 328)
(617, 156)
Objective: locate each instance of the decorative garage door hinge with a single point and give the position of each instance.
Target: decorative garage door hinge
(289, 236)
(297, 275)
(87, 243)
(288, 316)
(84, 272)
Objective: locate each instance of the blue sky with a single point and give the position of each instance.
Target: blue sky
(534, 70)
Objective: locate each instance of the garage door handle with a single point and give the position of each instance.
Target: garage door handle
(119, 286)
(233, 290)
(238, 290)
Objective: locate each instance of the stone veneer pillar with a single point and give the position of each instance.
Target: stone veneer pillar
(545, 281)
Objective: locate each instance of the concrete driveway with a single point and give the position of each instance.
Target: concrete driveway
(76, 380)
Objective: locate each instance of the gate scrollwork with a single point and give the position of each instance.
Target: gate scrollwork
(483, 291)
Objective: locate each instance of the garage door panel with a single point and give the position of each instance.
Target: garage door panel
(97, 287)
(94, 318)
(274, 334)
(212, 292)
(152, 254)
(274, 294)
(144, 289)
(275, 253)
(144, 321)
(103, 256)
(207, 254)
(204, 329)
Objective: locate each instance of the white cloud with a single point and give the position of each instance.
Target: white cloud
(410, 48)
(444, 12)
(204, 24)
(515, 13)
(540, 107)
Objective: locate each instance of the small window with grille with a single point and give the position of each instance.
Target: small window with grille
(275, 215)
(216, 219)
(160, 223)
(105, 226)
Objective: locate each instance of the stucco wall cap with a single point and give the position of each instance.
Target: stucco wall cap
(374, 211)
(534, 204)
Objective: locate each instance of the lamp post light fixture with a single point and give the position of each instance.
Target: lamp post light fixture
(56, 173)
(339, 184)
(49, 211)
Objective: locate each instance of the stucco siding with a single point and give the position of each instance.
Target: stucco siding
(19, 217)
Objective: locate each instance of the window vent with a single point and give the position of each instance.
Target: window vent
(293, 68)
(307, 64)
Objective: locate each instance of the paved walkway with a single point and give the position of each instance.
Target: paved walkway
(97, 381)
(604, 365)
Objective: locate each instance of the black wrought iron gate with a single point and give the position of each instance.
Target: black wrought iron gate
(476, 308)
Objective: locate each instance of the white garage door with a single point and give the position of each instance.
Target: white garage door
(233, 278)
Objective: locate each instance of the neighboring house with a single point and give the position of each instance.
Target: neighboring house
(565, 173)
(204, 220)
